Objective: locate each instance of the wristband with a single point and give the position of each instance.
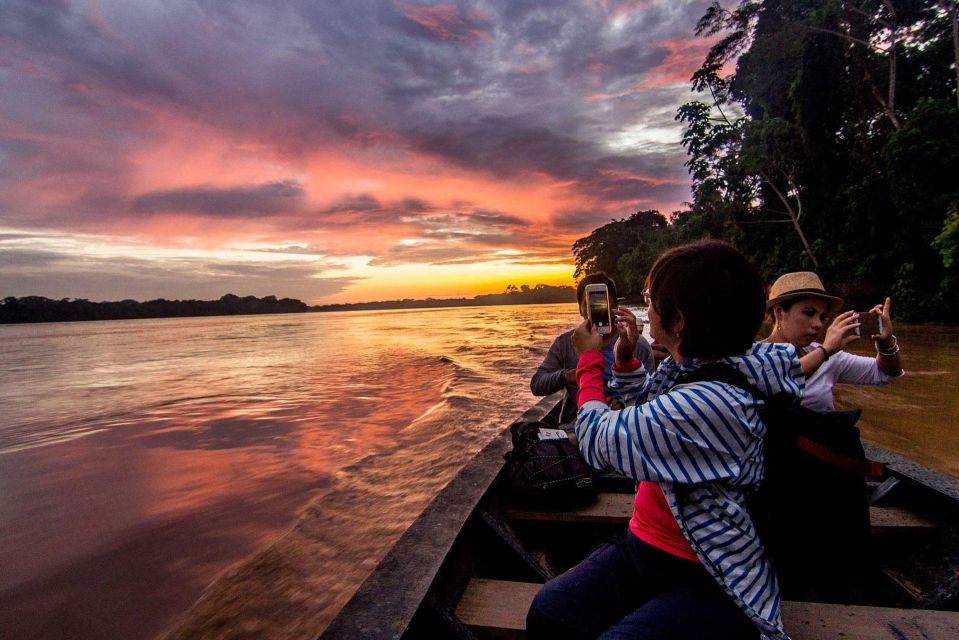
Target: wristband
(895, 343)
(888, 352)
(825, 353)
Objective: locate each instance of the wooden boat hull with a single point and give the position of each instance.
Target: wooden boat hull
(469, 534)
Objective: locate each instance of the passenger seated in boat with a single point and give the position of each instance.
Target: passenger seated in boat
(690, 564)
(558, 370)
(799, 307)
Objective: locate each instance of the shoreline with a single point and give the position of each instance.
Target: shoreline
(359, 306)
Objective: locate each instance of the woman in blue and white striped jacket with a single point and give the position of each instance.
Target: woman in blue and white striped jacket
(691, 564)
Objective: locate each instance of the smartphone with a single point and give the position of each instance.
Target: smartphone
(870, 324)
(598, 308)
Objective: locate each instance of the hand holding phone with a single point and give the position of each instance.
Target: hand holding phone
(870, 324)
(598, 309)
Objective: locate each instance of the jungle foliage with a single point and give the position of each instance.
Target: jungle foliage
(833, 146)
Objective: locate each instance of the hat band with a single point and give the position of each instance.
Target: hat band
(821, 292)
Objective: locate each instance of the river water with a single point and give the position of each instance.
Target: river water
(266, 463)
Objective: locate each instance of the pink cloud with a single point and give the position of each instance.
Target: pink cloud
(446, 22)
(683, 58)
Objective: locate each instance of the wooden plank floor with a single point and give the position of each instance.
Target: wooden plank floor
(499, 607)
(617, 508)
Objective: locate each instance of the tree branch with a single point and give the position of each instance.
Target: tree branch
(846, 36)
(795, 220)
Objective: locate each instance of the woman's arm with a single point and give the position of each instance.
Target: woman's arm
(882, 369)
(644, 353)
(887, 345)
(681, 436)
(836, 339)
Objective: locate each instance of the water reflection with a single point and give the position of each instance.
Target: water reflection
(139, 460)
(918, 415)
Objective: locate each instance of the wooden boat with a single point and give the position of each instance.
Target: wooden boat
(470, 565)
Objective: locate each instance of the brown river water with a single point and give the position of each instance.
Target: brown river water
(239, 477)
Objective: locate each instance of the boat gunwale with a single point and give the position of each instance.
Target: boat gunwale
(941, 483)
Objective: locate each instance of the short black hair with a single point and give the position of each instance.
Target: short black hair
(719, 292)
(596, 278)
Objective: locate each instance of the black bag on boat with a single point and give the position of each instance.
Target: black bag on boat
(547, 473)
(812, 510)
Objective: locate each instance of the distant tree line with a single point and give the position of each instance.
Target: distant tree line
(524, 294)
(833, 147)
(39, 309)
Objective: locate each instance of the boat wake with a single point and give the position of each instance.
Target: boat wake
(295, 587)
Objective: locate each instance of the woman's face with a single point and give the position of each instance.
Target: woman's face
(803, 322)
(661, 334)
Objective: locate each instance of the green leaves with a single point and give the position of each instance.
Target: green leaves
(824, 137)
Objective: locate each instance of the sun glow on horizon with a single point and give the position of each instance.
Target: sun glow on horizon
(419, 281)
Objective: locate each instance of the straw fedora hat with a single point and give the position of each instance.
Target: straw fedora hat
(800, 284)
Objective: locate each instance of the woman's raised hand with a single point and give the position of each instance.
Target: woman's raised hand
(839, 334)
(885, 311)
(629, 330)
(586, 337)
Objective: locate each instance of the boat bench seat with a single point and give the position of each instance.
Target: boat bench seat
(498, 608)
(617, 508)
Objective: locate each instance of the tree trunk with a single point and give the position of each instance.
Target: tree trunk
(893, 42)
(954, 17)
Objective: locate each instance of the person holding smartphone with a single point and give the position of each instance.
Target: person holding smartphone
(799, 308)
(691, 564)
(558, 369)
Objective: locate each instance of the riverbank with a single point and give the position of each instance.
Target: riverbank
(33, 309)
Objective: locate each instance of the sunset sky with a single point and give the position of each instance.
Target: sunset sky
(331, 151)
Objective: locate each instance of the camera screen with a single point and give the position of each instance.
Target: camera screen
(599, 308)
(868, 324)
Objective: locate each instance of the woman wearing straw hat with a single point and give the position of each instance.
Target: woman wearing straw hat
(799, 306)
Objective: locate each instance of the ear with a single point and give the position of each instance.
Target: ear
(679, 324)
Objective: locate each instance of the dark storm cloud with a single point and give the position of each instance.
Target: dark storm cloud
(416, 212)
(306, 71)
(273, 197)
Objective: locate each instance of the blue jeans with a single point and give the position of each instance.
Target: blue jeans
(628, 589)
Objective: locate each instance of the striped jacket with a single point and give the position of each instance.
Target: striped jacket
(703, 443)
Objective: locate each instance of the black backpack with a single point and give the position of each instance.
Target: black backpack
(812, 510)
(546, 474)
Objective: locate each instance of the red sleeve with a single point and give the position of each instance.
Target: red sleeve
(589, 377)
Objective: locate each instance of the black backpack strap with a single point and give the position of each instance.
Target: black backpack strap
(722, 372)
